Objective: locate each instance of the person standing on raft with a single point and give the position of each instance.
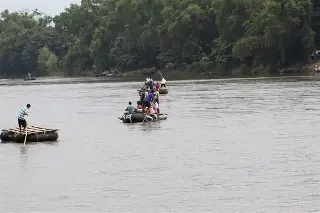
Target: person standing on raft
(21, 120)
(157, 86)
(163, 82)
(149, 99)
(143, 95)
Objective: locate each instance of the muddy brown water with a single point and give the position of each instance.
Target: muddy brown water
(237, 145)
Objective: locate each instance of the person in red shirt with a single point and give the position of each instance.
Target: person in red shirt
(157, 86)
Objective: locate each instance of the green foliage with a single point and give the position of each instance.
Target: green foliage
(199, 35)
(48, 62)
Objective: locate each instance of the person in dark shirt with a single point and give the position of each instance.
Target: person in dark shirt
(142, 96)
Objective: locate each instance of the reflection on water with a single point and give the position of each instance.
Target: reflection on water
(236, 145)
(23, 150)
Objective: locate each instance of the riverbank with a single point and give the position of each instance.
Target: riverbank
(185, 74)
(196, 73)
(178, 74)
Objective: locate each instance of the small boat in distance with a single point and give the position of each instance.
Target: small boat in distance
(29, 77)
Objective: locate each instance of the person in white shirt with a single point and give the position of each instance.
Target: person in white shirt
(156, 105)
(21, 120)
(163, 82)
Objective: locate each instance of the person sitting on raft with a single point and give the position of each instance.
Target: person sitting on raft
(152, 111)
(155, 107)
(139, 107)
(131, 109)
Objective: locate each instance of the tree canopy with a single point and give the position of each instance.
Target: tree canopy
(127, 35)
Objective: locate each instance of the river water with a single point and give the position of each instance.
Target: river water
(237, 145)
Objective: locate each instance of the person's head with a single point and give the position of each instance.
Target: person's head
(28, 106)
(130, 103)
(138, 103)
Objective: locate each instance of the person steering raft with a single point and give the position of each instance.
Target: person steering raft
(21, 120)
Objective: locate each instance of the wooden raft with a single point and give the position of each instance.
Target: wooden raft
(31, 130)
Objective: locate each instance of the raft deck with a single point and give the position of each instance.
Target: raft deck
(34, 134)
(30, 130)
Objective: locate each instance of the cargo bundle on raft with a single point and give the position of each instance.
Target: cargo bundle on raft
(34, 134)
(140, 118)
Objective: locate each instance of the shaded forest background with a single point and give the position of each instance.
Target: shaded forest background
(221, 36)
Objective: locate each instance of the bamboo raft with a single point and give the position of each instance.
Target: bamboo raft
(34, 134)
(141, 118)
(163, 91)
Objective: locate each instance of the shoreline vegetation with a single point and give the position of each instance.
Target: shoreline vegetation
(183, 39)
(304, 70)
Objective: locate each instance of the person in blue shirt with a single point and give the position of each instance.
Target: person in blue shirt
(131, 108)
(149, 99)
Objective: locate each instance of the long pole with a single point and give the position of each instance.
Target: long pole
(160, 73)
(25, 137)
(144, 119)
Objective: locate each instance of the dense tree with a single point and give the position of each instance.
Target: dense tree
(127, 35)
(48, 62)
